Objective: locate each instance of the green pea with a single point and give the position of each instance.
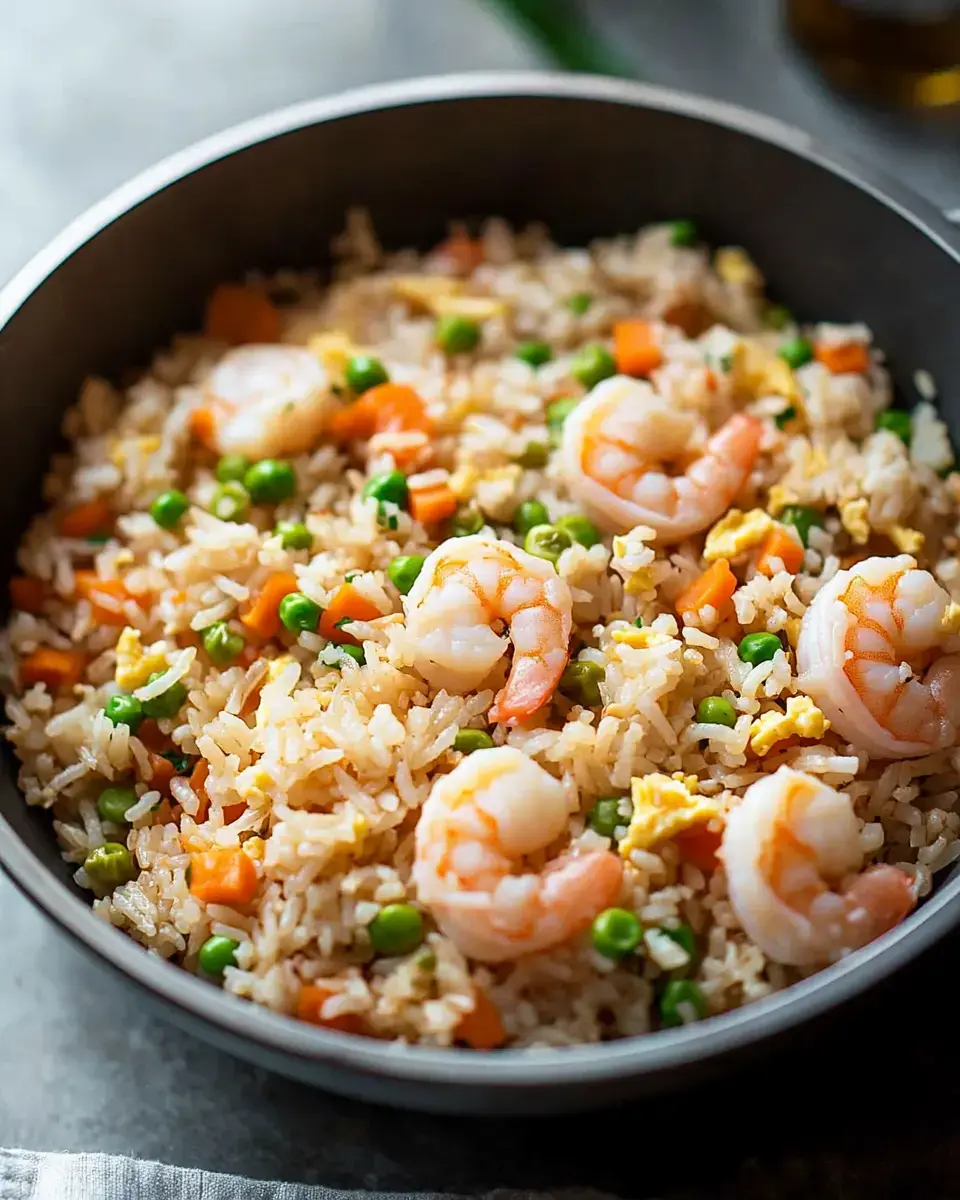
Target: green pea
(535, 456)
(681, 1002)
(109, 865)
(896, 421)
(124, 710)
(426, 960)
(556, 415)
(113, 802)
(98, 539)
(580, 682)
(639, 622)
(232, 468)
(592, 365)
(466, 522)
(579, 528)
(528, 514)
(714, 710)
(403, 571)
(181, 763)
(758, 648)
(775, 316)
(222, 644)
(468, 740)
(391, 487)
(725, 363)
(270, 481)
(168, 703)
(616, 933)
(683, 233)
(604, 818)
(396, 929)
(299, 613)
(579, 303)
(546, 541)
(534, 354)
(168, 508)
(216, 954)
(802, 518)
(684, 936)
(785, 416)
(796, 352)
(364, 372)
(354, 652)
(294, 535)
(231, 502)
(456, 335)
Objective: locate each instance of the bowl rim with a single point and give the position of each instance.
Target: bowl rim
(585, 1064)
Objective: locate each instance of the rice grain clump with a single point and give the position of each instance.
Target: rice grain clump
(509, 645)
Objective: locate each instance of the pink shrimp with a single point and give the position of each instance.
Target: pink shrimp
(466, 585)
(792, 854)
(476, 826)
(615, 442)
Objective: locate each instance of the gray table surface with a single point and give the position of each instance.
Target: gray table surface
(90, 93)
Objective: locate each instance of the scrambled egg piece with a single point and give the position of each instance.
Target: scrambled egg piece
(734, 265)
(815, 463)
(853, 517)
(736, 532)
(135, 665)
(639, 639)
(254, 847)
(950, 622)
(662, 808)
(906, 540)
(443, 297)
(334, 349)
(148, 444)
(496, 491)
(757, 372)
(463, 482)
(632, 558)
(474, 308)
(802, 718)
(792, 630)
(778, 498)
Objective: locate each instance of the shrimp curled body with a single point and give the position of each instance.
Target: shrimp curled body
(874, 653)
(267, 401)
(476, 826)
(793, 861)
(615, 443)
(465, 586)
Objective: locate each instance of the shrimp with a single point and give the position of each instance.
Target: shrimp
(793, 861)
(476, 826)
(466, 586)
(614, 443)
(267, 401)
(871, 655)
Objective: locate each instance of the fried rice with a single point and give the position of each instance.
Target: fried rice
(313, 763)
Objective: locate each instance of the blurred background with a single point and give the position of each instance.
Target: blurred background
(92, 92)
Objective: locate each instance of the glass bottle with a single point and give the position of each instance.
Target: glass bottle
(902, 51)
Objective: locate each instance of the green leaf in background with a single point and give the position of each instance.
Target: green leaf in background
(560, 30)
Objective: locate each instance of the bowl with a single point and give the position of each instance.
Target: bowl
(591, 157)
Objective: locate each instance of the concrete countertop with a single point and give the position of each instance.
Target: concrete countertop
(91, 93)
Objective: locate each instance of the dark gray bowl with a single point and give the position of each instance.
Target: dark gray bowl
(590, 157)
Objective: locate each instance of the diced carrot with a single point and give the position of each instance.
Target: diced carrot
(432, 505)
(635, 348)
(346, 602)
(386, 408)
(263, 616)
(203, 426)
(715, 587)
(409, 448)
(843, 358)
(463, 252)
(55, 668)
(27, 593)
(161, 773)
(482, 1029)
(165, 812)
(310, 1004)
(197, 781)
(699, 847)
(106, 596)
(148, 732)
(232, 811)
(779, 543)
(95, 516)
(238, 314)
(710, 379)
(223, 876)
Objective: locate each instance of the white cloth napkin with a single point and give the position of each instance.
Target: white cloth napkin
(27, 1175)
